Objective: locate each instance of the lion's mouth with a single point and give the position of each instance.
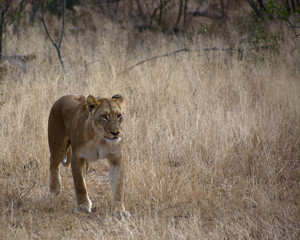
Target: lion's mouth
(112, 140)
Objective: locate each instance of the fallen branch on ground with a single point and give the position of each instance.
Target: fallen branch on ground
(23, 194)
(17, 61)
(19, 57)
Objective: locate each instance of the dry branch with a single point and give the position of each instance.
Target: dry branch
(20, 57)
(23, 194)
(57, 46)
(293, 27)
(185, 50)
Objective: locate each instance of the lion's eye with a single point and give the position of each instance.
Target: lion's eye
(103, 116)
(119, 116)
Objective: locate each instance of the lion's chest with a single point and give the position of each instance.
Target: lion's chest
(97, 149)
(93, 150)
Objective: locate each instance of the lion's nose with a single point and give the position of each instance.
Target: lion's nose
(114, 133)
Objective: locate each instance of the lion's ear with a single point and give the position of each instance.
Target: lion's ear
(119, 99)
(91, 103)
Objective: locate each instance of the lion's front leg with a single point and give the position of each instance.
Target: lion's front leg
(78, 166)
(116, 177)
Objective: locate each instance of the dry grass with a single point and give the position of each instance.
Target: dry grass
(211, 142)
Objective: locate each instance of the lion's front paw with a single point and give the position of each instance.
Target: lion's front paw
(54, 190)
(54, 187)
(121, 215)
(55, 182)
(85, 207)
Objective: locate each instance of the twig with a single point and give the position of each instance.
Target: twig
(23, 194)
(57, 47)
(183, 50)
(293, 27)
(158, 56)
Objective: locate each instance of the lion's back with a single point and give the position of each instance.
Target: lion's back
(62, 114)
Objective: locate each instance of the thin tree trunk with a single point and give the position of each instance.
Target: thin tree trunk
(3, 11)
(116, 11)
(57, 47)
(185, 8)
(179, 13)
(160, 12)
(222, 8)
(261, 4)
(255, 9)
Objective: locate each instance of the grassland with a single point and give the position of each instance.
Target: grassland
(212, 142)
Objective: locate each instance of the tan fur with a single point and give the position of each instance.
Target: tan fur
(84, 130)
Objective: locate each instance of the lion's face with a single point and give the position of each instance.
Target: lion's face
(106, 116)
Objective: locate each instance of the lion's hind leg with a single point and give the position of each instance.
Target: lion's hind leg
(56, 158)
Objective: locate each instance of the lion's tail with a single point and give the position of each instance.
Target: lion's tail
(67, 159)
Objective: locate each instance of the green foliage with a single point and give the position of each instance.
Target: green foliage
(73, 30)
(274, 9)
(16, 18)
(256, 31)
(255, 35)
(55, 6)
(206, 28)
(298, 12)
(1, 102)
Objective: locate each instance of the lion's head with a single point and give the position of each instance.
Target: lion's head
(106, 116)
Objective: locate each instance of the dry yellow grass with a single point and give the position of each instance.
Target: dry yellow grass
(212, 143)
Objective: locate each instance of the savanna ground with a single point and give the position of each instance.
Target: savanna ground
(211, 140)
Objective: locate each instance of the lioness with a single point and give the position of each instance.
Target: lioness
(91, 127)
